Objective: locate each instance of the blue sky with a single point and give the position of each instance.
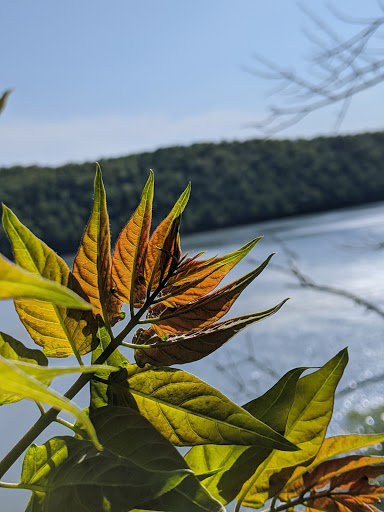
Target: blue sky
(95, 79)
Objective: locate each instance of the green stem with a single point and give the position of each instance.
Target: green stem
(70, 425)
(29, 487)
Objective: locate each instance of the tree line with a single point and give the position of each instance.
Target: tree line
(233, 183)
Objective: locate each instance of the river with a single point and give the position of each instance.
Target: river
(340, 249)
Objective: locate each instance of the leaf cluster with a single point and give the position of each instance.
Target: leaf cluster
(121, 455)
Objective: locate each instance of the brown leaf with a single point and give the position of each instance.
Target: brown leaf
(92, 265)
(204, 311)
(154, 253)
(204, 275)
(185, 348)
(128, 256)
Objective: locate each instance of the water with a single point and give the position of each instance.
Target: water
(339, 249)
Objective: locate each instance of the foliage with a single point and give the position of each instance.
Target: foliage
(121, 455)
(234, 183)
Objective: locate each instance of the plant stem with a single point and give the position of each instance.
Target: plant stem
(69, 425)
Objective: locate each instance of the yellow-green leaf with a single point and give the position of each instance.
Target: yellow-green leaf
(187, 411)
(306, 427)
(10, 348)
(192, 346)
(16, 283)
(237, 463)
(131, 245)
(27, 380)
(204, 311)
(60, 331)
(158, 239)
(92, 264)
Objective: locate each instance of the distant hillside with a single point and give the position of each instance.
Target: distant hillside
(232, 183)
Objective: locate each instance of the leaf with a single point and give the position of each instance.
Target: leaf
(238, 463)
(16, 283)
(204, 311)
(10, 348)
(203, 276)
(131, 245)
(331, 447)
(306, 427)
(92, 264)
(125, 432)
(185, 348)
(74, 475)
(3, 99)
(27, 380)
(187, 411)
(158, 239)
(60, 331)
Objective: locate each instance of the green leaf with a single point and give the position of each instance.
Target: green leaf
(92, 264)
(306, 427)
(192, 346)
(129, 252)
(238, 463)
(10, 348)
(26, 380)
(187, 411)
(16, 283)
(60, 331)
(3, 99)
(125, 432)
(74, 475)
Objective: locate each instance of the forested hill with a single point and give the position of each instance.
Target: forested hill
(232, 183)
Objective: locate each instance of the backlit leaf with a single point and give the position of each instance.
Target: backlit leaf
(158, 240)
(204, 311)
(187, 411)
(10, 348)
(195, 345)
(306, 427)
(125, 432)
(238, 463)
(92, 265)
(60, 331)
(131, 245)
(27, 380)
(16, 283)
(331, 447)
(75, 476)
(208, 274)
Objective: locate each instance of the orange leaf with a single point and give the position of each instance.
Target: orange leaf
(92, 265)
(202, 312)
(209, 273)
(185, 348)
(157, 242)
(131, 245)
